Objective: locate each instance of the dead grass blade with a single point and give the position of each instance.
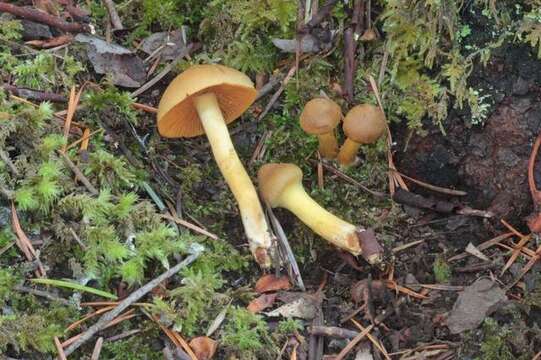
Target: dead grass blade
(395, 179)
(190, 226)
(59, 348)
(391, 284)
(373, 339)
(516, 252)
(89, 316)
(432, 187)
(23, 242)
(72, 107)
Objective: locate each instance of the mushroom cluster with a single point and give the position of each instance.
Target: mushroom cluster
(205, 98)
(364, 124)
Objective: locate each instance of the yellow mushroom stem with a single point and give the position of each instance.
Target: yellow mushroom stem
(348, 152)
(328, 147)
(235, 175)
(335, 230)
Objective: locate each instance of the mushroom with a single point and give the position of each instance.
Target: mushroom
(319, 117)
(363, 124)
(203, 100)
(280, 185)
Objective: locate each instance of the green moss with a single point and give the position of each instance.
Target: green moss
(442, 270)
(494, 346)
(246, 333)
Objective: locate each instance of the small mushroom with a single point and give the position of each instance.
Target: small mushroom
(203, 100)
(364, 124)
(280, 185)
(319, 117)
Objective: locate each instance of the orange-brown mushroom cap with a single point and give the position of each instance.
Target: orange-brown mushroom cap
(364, 124)
(320, 116)
(274, 178)
(177, 116)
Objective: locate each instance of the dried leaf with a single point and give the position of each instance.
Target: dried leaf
(300, 305)
(218, 321)
(261, 303)
(203, 347)
(122, 65)
(269, 283)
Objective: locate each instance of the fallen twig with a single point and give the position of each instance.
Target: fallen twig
(113, 15)
(278, 92)
(51, 43)
(133, 297)
(58, 345)
(97, 349)
(190, 226)
(378, 320)
(79, 174)
(35, 95)
(373, 339)
(41, 293)
(43, 17)
(432, 187)
(333, 331)
(123, 335)
(406, 197)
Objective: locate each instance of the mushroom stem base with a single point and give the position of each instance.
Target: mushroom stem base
(348, 152)
(235, 175)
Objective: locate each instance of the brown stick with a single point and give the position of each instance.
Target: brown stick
(43, 17)
(78, 173)
(333, 331)
(34, 94)
(113, 15)
(51, 43)
(97, 349)
(134, 296)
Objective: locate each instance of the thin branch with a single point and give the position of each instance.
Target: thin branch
(41, 293)
(134, 296)
(113, 15)
(78, 173)
(43, 17)
(34, 95)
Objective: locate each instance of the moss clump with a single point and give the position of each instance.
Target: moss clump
(247, 334)
(442, 270)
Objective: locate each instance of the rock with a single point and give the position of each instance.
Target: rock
(172, 42)
(35, 31)
(122, 65)
(474, 304)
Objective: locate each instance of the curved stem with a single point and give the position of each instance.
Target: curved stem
(328, 147)
(330, 227)
(235, 175)
(348, 152)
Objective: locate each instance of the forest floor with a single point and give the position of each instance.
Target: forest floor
(95, 205)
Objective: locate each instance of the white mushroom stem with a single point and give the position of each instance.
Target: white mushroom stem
(335, 230)
(235, 175)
